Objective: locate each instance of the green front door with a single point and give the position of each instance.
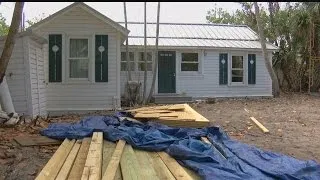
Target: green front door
(167, 72)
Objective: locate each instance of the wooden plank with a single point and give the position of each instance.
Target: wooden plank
(145, 162)
(78, 165)
(36, 141)
(198, 116)
(177, 107)
(108, 149)
(65, 170)
(153, 111)
(174, 167)
(93, 163)
(193, 174)
(141, 115)
(180, 123)
(51, 169)
(130, 167)
(160, 167)
(113, 165)
(206, 140)
(264, 129)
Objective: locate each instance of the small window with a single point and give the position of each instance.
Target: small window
(124, 61)
(141, 63)
(237, 69)
(189, 62)
(79, 58)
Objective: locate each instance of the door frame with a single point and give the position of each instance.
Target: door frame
(174, 68)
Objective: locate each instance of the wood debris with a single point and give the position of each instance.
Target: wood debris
(181, 115)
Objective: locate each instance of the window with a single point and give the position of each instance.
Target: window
(189, 62)
(124, 61)
(78, 58)
(237, 69)
(141, 63)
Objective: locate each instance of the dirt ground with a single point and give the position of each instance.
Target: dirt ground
(293, 121)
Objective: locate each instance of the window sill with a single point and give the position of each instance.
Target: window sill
(238, 85)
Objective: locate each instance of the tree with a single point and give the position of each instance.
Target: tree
(5, 97)
(4, 28)
(155, 65)
(275, 83)
(145, 55)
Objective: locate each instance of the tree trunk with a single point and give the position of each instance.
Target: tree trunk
(6, 101)
(155, 66)
(145, 55)
(275, 83)
(127, 43)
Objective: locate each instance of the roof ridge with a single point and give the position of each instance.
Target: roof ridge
(204, 24)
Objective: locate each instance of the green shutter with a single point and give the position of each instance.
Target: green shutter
(251, 69)
(55, 57)
(101, 58)
(223, 69)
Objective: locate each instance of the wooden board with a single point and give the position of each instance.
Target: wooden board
(145, 162)
(160, 167)
(36, 141)
(93, 165)
(264, 129)
(174, 167)
(77, 168)
(146, 116)
(51, 169)
(113, 165)
(130, 166)
(65, 170)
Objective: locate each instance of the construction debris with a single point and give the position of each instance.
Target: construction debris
(78, 160)
(181, 115)
(8, 119)
(264, 129)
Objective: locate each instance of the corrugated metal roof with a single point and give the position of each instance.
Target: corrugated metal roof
(198, 35)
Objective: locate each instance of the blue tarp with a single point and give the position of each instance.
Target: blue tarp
(234, 160)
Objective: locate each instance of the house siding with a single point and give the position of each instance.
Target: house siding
(87, 95)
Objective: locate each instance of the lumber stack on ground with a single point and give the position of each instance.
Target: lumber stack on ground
(95, 158)
(180, 115)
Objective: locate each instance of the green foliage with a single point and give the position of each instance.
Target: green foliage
(4, 28)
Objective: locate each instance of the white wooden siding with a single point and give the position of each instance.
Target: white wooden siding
(38, 90)
(16, 75)
(87, 95)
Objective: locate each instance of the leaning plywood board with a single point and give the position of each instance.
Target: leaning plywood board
(92, 168)
(52, 168)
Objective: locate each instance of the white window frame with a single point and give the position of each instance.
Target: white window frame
(138, 58)
(134, 60)
(200, 60)
(90, 59)
(244, 67)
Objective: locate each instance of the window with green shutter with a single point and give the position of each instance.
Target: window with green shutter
(55, 57)
(223, 68)
(251, 69)
(101, 58)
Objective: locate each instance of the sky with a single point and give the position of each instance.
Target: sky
(177, 12)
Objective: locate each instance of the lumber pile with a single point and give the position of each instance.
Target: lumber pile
(180, 115)
(95, 158)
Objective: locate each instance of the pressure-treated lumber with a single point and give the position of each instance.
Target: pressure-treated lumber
(264, 129)
(78, 165)
(175, 168)
(145, 162)
(113, 165)
(160, 167)
(93, 165)
(108, 149)
(64, 172)
(130, 166)
(51, 169)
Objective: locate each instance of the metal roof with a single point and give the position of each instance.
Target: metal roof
(196, 35)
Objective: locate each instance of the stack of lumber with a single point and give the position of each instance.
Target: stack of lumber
(180, 115)
(95, 158)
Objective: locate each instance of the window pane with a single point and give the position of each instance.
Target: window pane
(142, 66)
(78, 48)
(124, 66)
(237, 75)
(237, 62)
(141, 56)
(189, 66)
(79, 68)
(191, 57)
(123, 56)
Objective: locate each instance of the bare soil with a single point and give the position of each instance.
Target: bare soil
(293, 121)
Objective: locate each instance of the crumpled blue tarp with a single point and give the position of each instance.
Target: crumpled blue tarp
(235, 160)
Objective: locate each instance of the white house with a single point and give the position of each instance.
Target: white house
(80, 61)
